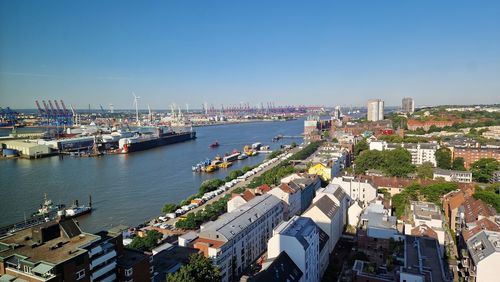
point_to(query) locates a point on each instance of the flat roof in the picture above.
(425, 251)
(425, 210)
(68, 247)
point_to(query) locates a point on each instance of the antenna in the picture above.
(136, 102)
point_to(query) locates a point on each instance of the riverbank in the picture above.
(123, 184)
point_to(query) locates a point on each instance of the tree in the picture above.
(458, 164)
(362, 145)
(425, 171)
(148, 242)
(397, 162)
(368, 160)
(482, 170)
(443, 158)
(168, 208)
(198, 269)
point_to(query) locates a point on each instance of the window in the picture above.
(80, 274)
(129, 272)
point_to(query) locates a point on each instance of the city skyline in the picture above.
(290, 53)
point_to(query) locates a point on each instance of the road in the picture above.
(238, 185)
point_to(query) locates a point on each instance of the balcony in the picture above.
(101, 271)
(102, 259)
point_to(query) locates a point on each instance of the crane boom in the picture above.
(39, 108)
(64, 108)
(58, 109)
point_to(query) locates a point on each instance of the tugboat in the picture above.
(214, 145)
(47, 208)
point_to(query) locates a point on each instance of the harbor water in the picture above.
(129, 189)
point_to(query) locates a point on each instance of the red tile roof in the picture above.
(482, 224)
(424, 231)
(474, 208)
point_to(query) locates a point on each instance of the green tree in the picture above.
(397, 162)
(198, 269)
(368, 160)
(362, 145)
(458, 164)
(148, 242)
(425, 171)
(168, 208)
(482, 170)
(443, 158)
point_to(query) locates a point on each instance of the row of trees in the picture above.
(193, 220)
(395, 162)
(273, 176)
(207, 186)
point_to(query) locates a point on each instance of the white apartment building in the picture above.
(484, 252)
(356, 189)
(420, 152)
(289, 195)
(326, 214)
(427, 221)
(299, 237)
(375, 110)
(238, 238)
(453, 175)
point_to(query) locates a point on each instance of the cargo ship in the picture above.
(145, 141)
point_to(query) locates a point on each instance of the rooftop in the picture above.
(279, 269)
(230, 224)
(450, 172)
(53, 251)
(473, 209)
(131, 257)
(483, 244)
(478, 226)
(326, 206)
(425, 210)
(422, 256)
(298, 227)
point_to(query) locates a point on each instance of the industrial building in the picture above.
(27, 149)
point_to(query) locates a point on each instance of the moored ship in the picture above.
(146, 141)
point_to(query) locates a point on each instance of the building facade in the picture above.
(238, 238)
(299, 238)
(453, 175)
(357, 190)
(408, 105)
(375, 110)
(471, 155)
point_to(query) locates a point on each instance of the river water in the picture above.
(129, 189)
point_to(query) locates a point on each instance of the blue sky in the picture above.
(288, 52)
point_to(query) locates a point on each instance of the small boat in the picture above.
(213, 145)
(225, 164)
(242, 156)
(211, 168)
